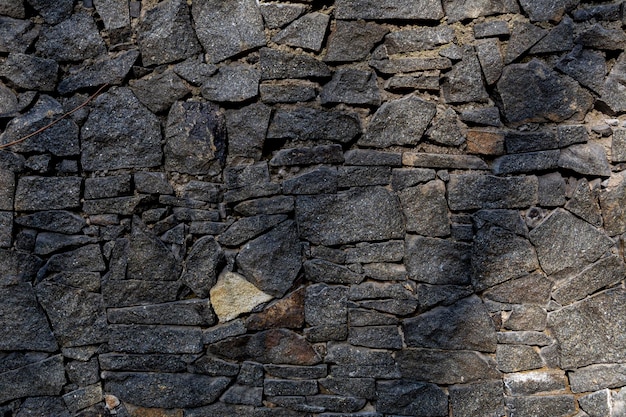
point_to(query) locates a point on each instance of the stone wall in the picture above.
(352, 208)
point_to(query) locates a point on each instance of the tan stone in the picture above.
(485, 142)
(234, 295)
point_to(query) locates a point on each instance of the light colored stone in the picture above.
(233, 295)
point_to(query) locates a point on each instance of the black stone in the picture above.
(30, 72)
(323, 154)
(277, 65)
(74, 39)
(411, 398)
(159, 91)
(246, 129)
(311, 124)
(44, 378)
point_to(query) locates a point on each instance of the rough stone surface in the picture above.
(74, 39)
(351, 87)
(471, 191)
(312, 124)
(353, 40)
(234, 83)
(388, 9)
(233, 295)
(159, 91)
(425, 209)
(42, 193)
(202, 265)
(307, 32)
(411, 398)
(586, 159)
(480, 397)
(437, 261)
(464, 82)
(42, 378)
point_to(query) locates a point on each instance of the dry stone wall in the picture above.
(313, 208)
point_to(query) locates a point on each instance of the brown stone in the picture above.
(485, 142)
(286, 313)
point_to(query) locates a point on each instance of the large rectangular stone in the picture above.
(597, 377)
(155, 339)
(7, 189)
(389, 9)
(40, 378)
(475, 191)
(47, 193)
(526, 162)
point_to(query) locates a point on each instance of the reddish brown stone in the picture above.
(286, 313)
(485, 142)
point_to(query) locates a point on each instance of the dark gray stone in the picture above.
(426, 210)
(446, 366)
(559, 39)
(353, 40)
(297, 372)
(584, 204)
(307, 32)
(392, 251)
(532, 92)
(317, 181)
(46, 377)
(233, 83)
(437, 261)
(42, 407)
(585, 66)
(430, 296)
(556, 406)
(551, 190)
(239, 176)
(378, 337)
(411, 398)
(526, 317)
(248, 192)
(487, 116)
(490, 58)
(277, 15)
(83, 397)
(464, 82)
(6, 229)
(526, 162)
(137, 338)
(187, 312)
(516, 358)
(536, 382)
(159, 91)
(16, 35)
(475, 8)
(399, 122)
(74, 39)
(272, 205)
(427, 80)
(137, 292)
(87, 258)
(242, 394)
(363, 176)
(165, 33)
(282, 387)
(389, 9)
(113, 142)
(53, 12)
(586, 159)
(351, 86)
(596, 377)
(30, 72)
(485, 398)
(48, 243)
(278, 65)
(164, 390)
(312, 124)
(369, 157)
(208, 365)
(518, 142)
(547, 10)
(13, 8)
(60, 139)
(292, 91)
(107, 69)
(356, 387)
(398, 65)
(247, 228)
(465, 325)
(9, 103)
(597, 403)
(103, 187)
(412, 40)
(363, 317)
(603, 12)
(611, 200)
(116, 205)
(612, 95)
(326, 305)
(195, 138)
(366, 214)
(599, 37)
(226, 29)
(7, 192)
(523, 37)
(472, 191)
(202, 265)
(618, 146)
(530, 338)
(272, 261)
(115, 14)
(403, 178)
(597, 340)
(318, 270)
(148, 257)
(41, 193)
(359, 362)
(491, 29)
(446, 129)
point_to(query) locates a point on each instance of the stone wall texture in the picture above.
(325, 208)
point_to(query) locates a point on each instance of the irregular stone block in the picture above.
(234, 83)
(46, 377)
(294, 91)
(559, 39)
(398, 65)
(551, 190)
(137, 338)
(249, 227)
(74, 39)
(464, 82)
(40, 406)
(377, 337)
(431, 160)
(228, 28)
(390, 124)
(530, 338)
(586, 159)
(137, 292)
(544, 98)
(272, 261)
(194, 70)
(115, 14)
(186, 312)
(392, 251)
(103, 187)
(446, 129)
(516, 358)
(599, 37)
(159, 91)
(612, 95)
(148, 257)
(318, 270)
(354, 361)
(533, 288)
(363, 176)
(491, 29)
(240, 176)
(286, 313)
(326, 305)
(426, 210)
(246, 130)
(357, 387)
(367, 214)
(307, 32)
(83, 397)
(233, 295)
(403, 178)
(437, 261)
(478, 398)
(485, 142)
(278, 65)
(369, 157)
(526, 162)
(12, 8)
(282, 387)
(389, 9)
(411, 398)
(597, 403)
(585, 66)
(486, 116)
(276, 16)
(611, 200)
(351, 86)
(202, 265)
(165, 33)
(590, 345)
(596, 377)
(412, 40)
(30, 72)
(465, 325)
(353, 40)
(6, 229)
(107, 69)
(564, 242)
(535, 382)
(271, 205)
(16, 35)
(476, 8)
(526, 317)
(165, 390)
(547, 10)
(42, 193)
(195, 138)
(472, 191)
(557, 405)
(312, 124)
(523, 37)
(427, 80)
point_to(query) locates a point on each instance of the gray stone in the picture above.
(491, 29)
(560, 244)
(165, 33)
(526, 317)
(242, 394)
(487, 116)
(115, 14)
(353, 40)
(165, 390)
(363, 176)
(403, 178)
(46, 377)
(148, 257)
(446, 366)
(357, 387)
(351, 86)
(233, 83)
(195, 138)
(224, 331)
(475, 191)
(318, 270)
(137, 292)
(398, 65)
(41, 193)
(103, 187)
(48, 243)
(159, 91)
(516, 358)
(592, 344)
(293, 91)
(533, 288)
(399, 122)
(586, 159)
(202, 265)
(478, 398)
(83, 397)
(25, 325)
(545, 96)
(476, 8)
(356, 361)
(297, 372)
(282, 387)
(519, 142)
(42, 407)
(87, 258)
(187, 312)
(547, 10)
(465, 325)
(596, 377)
(326, 305)
(248, 192)
(209, 365)
(6, 229)
(604, 12)
(307, 32)
(194, 70)
(526, 162)
(12, 8)
(116, 205)
(389, 9)
(246, 130)
(464, 82)
(426, 210)
(317, 181)
(613, 94)
(611, 200)
(411, 398)
(412, 40)
(618, 145)
(599, 37)
(245, 229)
(523, 37)
(74, 39)
(7, 178)
(506, 219)
(597, 403)
(392, 251)
(427, 80)
(8, 101)
(377, 337)
(551, 190)
(499, 255)
(437, 261)
(559, 39)
(585, 66)
(30, 72)
(370, 157)
(490, 58)
(16, 35)
(367, 214)
(272, 205)
(53, 12)
(226, 29)
(137, 338)
(278, 15)
(536, 382)
(272, 261)
(430, 296)
(113, 142)
(60, 139)
(278, 65)
(82, 373)
(446, 130)
(312, 124)
(554, 406)
(584, 204)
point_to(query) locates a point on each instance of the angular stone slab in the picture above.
(232, 83)
(612, 200)
(148, 257)
(464, 82)
(125, 293)
(389, 9)
(351, 86)
(359, 214)
(485, 397)
(475, 8)
(598, 338)
(565, 242)
(432, 160)
(312, 124)
(278, 65)
(353, 40)
(47, 193)
(473, 191)
(74, 39)
(465, 325)
(246, 129)
(233, 295)
(164, 390)
(308, 32)
(40, 378)
(201, 266)
(411, 40)
(437, 261)
(185, 313)
(136, 338)
(411, 398)
(596, 377)
(547, 10)
(426, 210)
(114, 13)
(276, 16)
(586, 159)
(159, 91)
(30, 72)
(532, 289)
